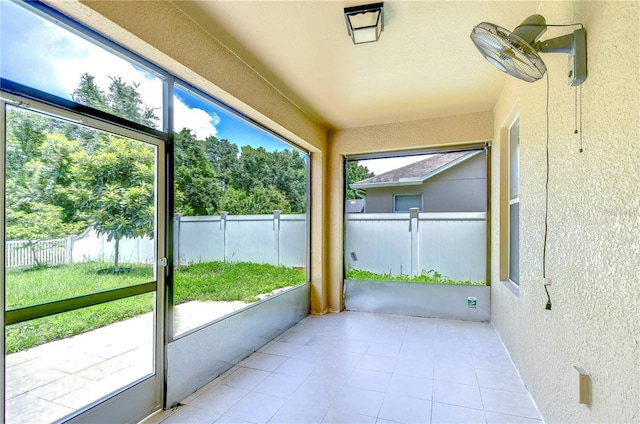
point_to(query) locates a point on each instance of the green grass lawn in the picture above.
(431, 276)
(211, 281)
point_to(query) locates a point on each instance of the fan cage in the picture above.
(508, 52)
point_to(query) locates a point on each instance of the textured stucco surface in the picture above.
(594, 223)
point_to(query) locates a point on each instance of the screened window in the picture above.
(404, 202)
(445, 243)
(58, 60)
(240, 223)
(514, 202)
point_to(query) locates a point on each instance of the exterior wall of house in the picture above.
(160, 32)
(462, 188)
(593, 222)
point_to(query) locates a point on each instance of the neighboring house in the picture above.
(354, 205)
(445, 182)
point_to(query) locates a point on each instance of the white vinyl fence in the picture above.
(452, 244)
(51, 252)
(90, 247)
(274, 239)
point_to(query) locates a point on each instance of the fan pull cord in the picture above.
(581, 144)
(578, 113)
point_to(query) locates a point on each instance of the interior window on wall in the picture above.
(514, 202)
(47, 56)
(240, 211)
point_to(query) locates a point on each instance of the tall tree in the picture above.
(114, 189)
(197, 189)
(223, 156)
(121, 99)
(355, 173)
(283, 171)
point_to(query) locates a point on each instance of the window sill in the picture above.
(512, 287)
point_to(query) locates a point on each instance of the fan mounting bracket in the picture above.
(575, 45)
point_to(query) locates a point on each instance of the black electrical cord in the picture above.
(546, 206)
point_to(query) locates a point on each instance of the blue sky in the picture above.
(39, 54)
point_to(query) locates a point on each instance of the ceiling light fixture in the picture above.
(365, 23)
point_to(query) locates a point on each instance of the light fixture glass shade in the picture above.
(365, 23)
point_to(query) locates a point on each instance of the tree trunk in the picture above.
(116, 267)
(34, 253)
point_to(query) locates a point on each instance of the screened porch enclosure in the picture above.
(430, 260)
(107, 304)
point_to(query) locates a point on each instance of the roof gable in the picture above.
(418, 172)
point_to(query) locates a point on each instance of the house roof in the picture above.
(418, 172)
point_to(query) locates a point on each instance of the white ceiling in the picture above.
(423, 66)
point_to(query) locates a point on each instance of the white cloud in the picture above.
(200, 122)
(56, 60)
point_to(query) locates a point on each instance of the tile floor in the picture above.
(367, 368)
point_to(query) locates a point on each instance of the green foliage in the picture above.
(70, 175)
(25, 132)
(210, 282)
(430, 276)
(122, 100)
(37, 199)
(196, 186)
(31, 286)
(260, 200)
(55, 327)
(220, 281)
(356, 173)
(261, 173)
(223, 156)
(114, 188)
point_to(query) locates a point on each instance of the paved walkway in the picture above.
(48, 382)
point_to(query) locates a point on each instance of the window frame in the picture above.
(513, 197)
(395, 199)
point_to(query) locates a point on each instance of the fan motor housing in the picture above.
(577, 72)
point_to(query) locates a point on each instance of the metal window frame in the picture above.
(513, 200)
(395, 197)
(170, 335)
(76, 112)
(135, 132)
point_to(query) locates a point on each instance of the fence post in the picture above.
(223, 227)
(415, 254)
(70, 240)
(276, 238)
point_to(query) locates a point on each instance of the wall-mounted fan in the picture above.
(516, 53)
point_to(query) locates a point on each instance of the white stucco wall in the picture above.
(594, 223)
